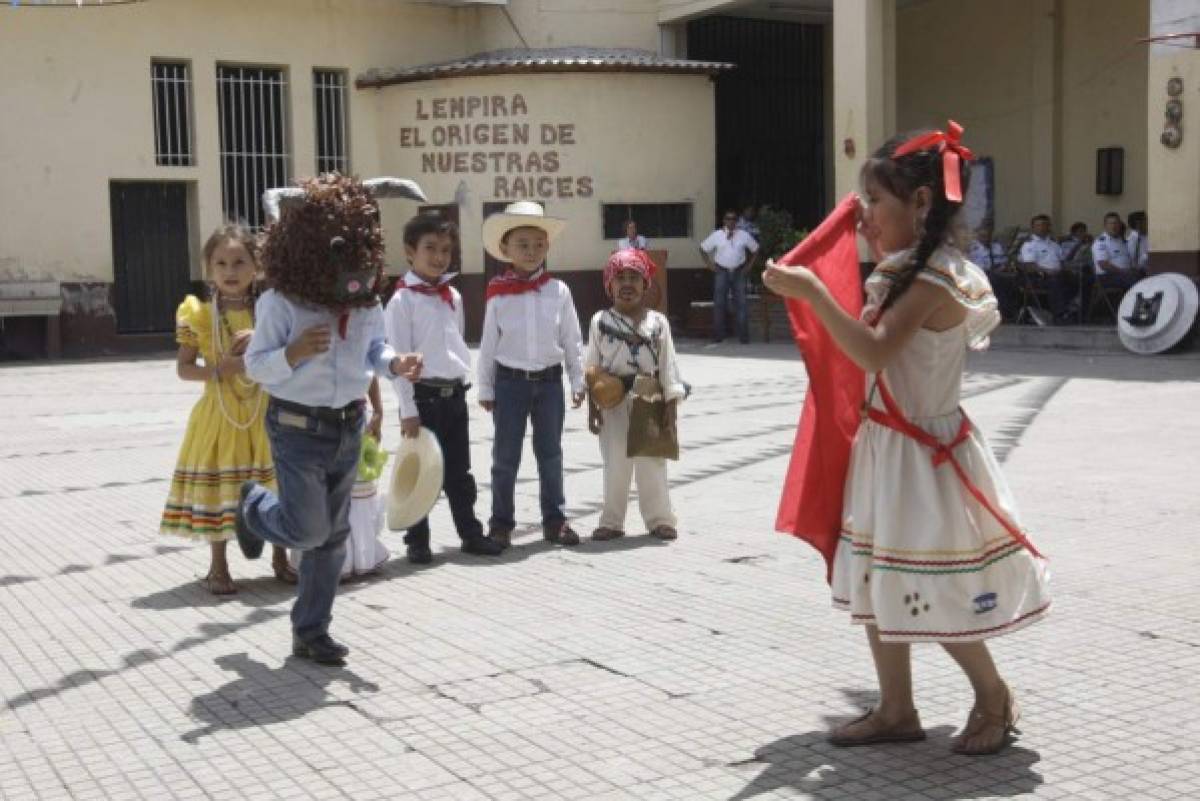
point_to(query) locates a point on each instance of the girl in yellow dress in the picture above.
(225, 443)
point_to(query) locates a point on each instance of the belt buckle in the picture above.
(446, 392)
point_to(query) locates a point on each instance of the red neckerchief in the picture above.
(511, 283)
(441, 289)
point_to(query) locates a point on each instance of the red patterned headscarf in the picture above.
(628, 259)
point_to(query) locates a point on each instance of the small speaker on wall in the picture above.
(1110, 170)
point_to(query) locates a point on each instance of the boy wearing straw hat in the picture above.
(530, 330)
(426, 315)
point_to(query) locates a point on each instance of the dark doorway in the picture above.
(770, 113)
(151, 273)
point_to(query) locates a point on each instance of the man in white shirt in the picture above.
(1113, 266)
(1138, 241)
(1041, 261)
(632, 239)
(728, 252)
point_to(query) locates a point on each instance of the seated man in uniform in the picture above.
(1041, 262)
(1111, 257)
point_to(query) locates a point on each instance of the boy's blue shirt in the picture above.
(335, 378)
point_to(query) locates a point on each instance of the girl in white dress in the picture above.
(931, 548)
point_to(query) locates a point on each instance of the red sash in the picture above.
(441, 290)
(891, 417)
(511, 283)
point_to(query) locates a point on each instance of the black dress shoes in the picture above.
(419, 554)
(323, 650)
(482, 546)
(252, 546)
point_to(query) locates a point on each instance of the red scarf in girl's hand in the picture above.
(811, 506)
(513, 283)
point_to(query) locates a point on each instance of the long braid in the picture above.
(937, 225)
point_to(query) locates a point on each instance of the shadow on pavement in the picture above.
(809, 764)
(262, 695)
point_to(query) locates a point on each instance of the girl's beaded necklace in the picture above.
(221, 330)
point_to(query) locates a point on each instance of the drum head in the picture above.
(1158, 313)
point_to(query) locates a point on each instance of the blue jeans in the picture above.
(724, 283)
(518, 400)
(315, 465)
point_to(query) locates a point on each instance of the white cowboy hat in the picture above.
(522, 214)
(1158, 313)
(416, 480)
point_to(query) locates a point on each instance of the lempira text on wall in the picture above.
(485, 134)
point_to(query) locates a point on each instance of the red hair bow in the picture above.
(952, 150)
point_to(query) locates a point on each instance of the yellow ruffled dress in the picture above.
(225, 443)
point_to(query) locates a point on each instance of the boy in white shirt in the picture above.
(426, 314)
(530, 329)
(626, 341)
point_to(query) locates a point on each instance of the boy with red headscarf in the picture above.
(630, 342)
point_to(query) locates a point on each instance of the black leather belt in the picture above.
(350, 413)
(548, 374)
(434, 388)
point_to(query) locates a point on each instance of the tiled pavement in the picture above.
(704, 669)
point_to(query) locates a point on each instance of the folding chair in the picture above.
(1033, 292)
(1109, 297)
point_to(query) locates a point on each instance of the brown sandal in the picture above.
(980, 721)
(875, 732)
(285, 572)
(219, 585)
(603, 534)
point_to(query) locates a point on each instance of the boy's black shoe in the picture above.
(252, 546)
(482, 546)
(419, 554)
(323, 650)
(500, 536)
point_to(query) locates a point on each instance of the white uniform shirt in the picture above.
(530, 331)
(425, 324)
(987, 258)
(1110, 248)
(1139, 249)
(639, 243)
(614, 355)
(729, 251)
(1042, 251)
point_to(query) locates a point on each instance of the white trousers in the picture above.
(654, 500)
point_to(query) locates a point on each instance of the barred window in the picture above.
(171, 90)
(253, 120)
(654, 220)
(329, 103)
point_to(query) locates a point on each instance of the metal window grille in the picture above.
(252, 110)
(654, 220)
(329, 102)
(171, 89)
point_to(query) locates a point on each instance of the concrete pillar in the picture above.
(1173, 174)
(864, 84)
